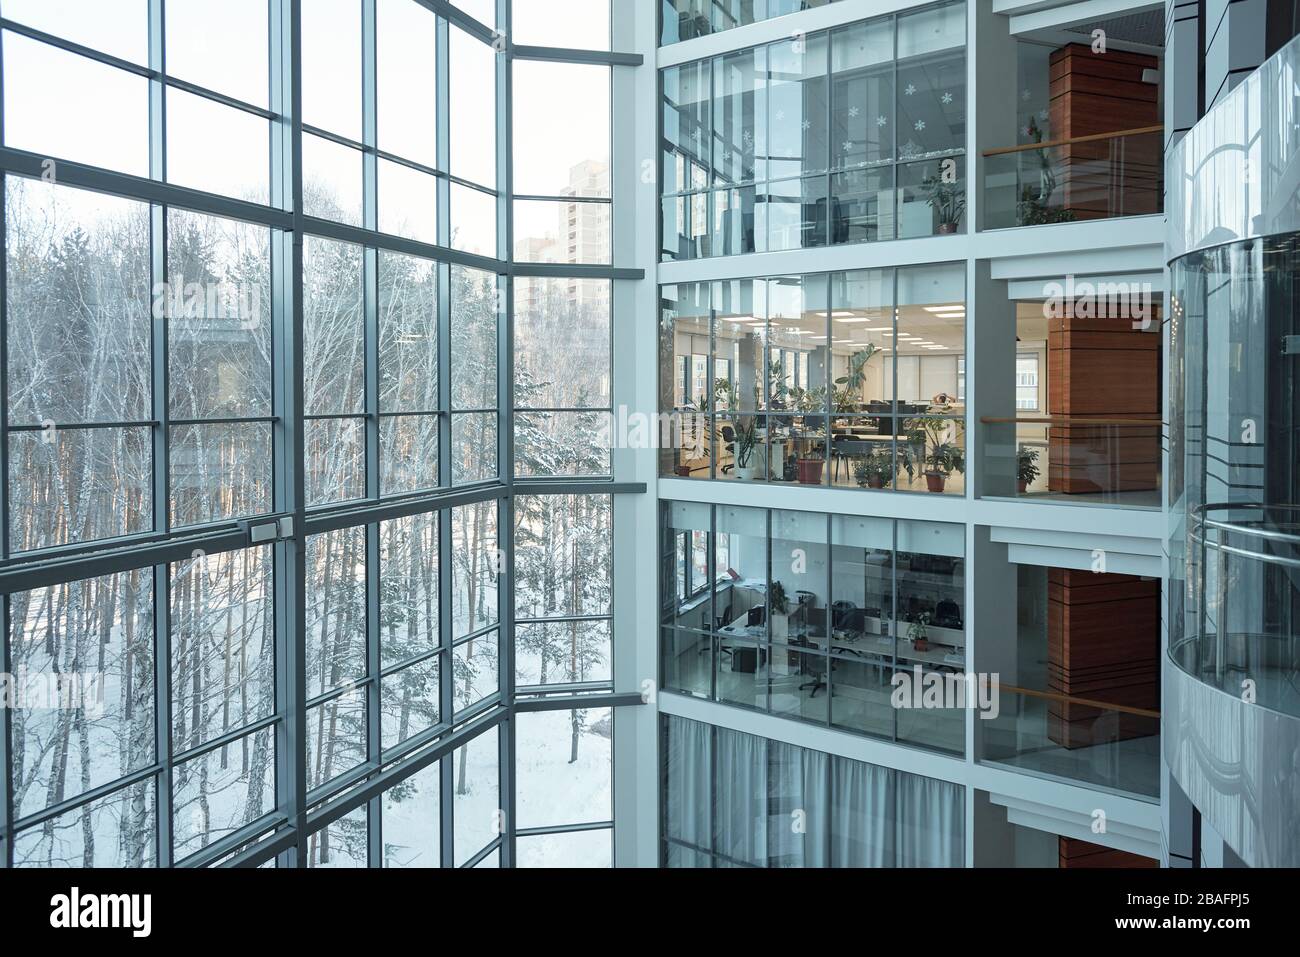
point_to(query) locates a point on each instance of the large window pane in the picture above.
(223, 48)
(333, 322)
(408, 592)
(222, 647)
(593, 848)
(477, 801)
(117, 27)
(75, 355)
(331, 180)
(475, 566)
(331, 66)
(476, 671)
(222, 790)
(406, 73)
(548, 96)
(563, 555)
(411, 826)
(216, 148)
(69, 486)
(218, 302)
(336, 609)
(336, 737)
(118, 830)
(63, 105)
(342, 844)
(563, 231)
(410, 701)
(86, 711)
(574, 24)
(473, 109)
(564, 767)
(473, 339)
(408, 334)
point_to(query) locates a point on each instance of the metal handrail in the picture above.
(1090, 138)
(1199, 522)
(1068, 420)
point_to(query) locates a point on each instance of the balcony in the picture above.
(1099, 176)
(1078, 739)
(1073, 459)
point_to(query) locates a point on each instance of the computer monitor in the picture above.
(757, 615)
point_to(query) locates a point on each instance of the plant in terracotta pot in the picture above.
(1026, 468)
(875, 470)
(948, 200)
(930, 450)
(942, 460)
(917, 634)
(809, 403)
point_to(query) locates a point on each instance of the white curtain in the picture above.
(741, 806)
(931, 822)
(862, 815)
(688, 760)
(797, 806)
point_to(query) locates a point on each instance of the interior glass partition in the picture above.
(853, 134)
(817, 618)
(847, 380)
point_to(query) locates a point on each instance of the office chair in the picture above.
(947, 614)
(818, 674)
(839, 613)
(723, 619)
(729, 446)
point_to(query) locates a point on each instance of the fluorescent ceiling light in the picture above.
(857, 319)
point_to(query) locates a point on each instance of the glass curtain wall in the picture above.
(855, 134)
(821, 618)
(852, 380)
(731, 799)
(687, 19)
(259, 518)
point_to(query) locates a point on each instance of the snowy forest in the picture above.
(82, 316)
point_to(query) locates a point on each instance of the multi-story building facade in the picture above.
(698, 433)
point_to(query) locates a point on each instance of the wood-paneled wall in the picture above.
(1104, 93)
(1076, 853)
(1103, 643)
(1103, 368)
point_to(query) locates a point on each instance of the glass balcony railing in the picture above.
(1242, 625)
(1085, 177)
(1079, 739)
(1073, 459)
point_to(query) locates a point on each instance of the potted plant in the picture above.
(779, 609)
(928, 448)
(917, 634)
(848, 395)
(746, 443)
(948, 200)
(875, 470)
(1026, 468)
(1033, 208)
(809, 402)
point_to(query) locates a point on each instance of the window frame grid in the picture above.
(281, 834)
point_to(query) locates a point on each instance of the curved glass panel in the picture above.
(1234, 469)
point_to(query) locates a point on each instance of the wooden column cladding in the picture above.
(1103, 369)
(1074, 853)
(1103, 644)
(1103, 93)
